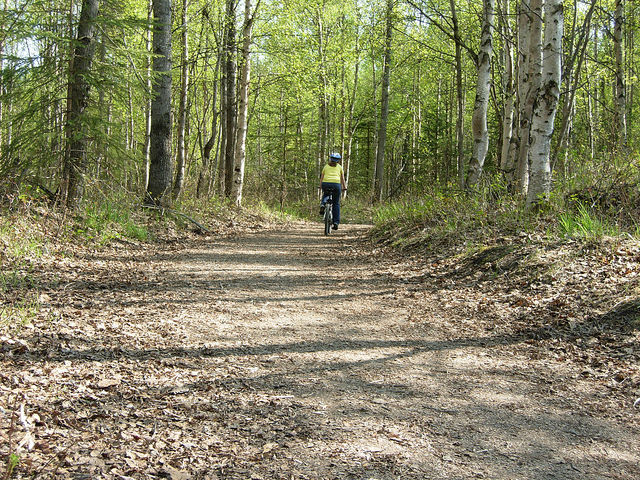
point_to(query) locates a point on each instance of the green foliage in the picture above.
(104, 221)
(584, 224)
(471, 220)
(288, 212)
(304, 98)
(12, 462)
(446, 217)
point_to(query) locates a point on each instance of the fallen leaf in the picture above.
(109, 382)
(269, 447)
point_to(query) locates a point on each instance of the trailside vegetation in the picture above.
(167, 102)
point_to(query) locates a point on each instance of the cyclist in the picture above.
(332, 183)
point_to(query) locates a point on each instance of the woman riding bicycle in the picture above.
(332, 183)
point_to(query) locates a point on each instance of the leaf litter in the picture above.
(249, 357)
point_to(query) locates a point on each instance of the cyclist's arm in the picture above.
(344, 184)
(321, 178)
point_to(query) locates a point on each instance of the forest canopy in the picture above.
(159, 100)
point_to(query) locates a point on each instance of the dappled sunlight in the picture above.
(257, 349)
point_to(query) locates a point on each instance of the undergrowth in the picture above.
(440, 218)
(584, 223)
(446, 218)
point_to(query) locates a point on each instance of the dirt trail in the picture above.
(291, 355)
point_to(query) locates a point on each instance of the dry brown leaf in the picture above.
(108, 383)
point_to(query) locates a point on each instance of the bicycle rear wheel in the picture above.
(328, 218)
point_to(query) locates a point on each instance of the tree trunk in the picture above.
(3, 90)
(479, 118)
(230, 96)
(352, 106)
(506, 160)
(460, 100)
(572, 81)
(323, 107)
(546, 104)
(223, 125)
(531, 72)
(243, 108)
(75, 163)
(621, 91)
(147, 112)
(161, 166)
(384, 113)
(208, 147)
(182, 108)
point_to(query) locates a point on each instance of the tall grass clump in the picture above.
(585, 224)
(466, 219)
(20, 236)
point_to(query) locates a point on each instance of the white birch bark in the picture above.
(508, 85)
(529, 85)
(483, 86)
(230, 102)
(546, 105)
(522, 74)
(460, 97)
(572, 79)
(243, 107)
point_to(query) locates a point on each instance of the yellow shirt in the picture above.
(332, 174)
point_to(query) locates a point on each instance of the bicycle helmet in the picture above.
(334, 157)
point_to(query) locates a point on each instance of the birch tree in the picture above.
(572, 74)
(546, 104)
(460, 99)
(230, 103)
(483, 86)
(182, 107)
(509, 91)
(209, 146)
(530, 25)
(243, 106)
(149, 85)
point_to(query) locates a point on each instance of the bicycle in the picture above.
(328, 215)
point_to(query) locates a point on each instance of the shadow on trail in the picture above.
(272, 406)
(57, 351)
(278, 401)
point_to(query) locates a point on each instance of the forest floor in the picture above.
(290, 355)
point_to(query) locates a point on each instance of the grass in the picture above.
(585, 224)
(439, 218)
(454, 218)
(111, 219)
(20, 238)
(30, 232)
(19, 313)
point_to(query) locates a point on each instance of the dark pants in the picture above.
(334, 189)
